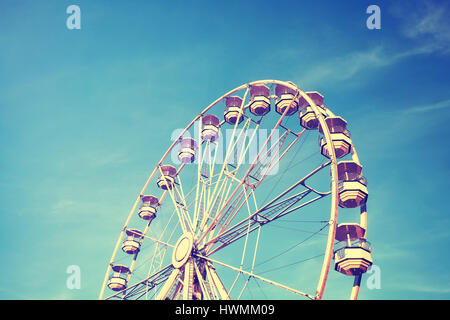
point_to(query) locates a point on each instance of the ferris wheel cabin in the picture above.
(188, 147)
(118, 279)
(285, 99)
(352, 185)
(353, 254)
(148, 208)
(233, 110)
(260, 101)
(132, 242)
(167, 179)
(308, 119)
(210, 129)
(339, 135)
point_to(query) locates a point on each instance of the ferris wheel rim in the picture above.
(334, 191)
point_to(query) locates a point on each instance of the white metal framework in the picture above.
(201, 224)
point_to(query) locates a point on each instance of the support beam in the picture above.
(214, 278)
(188, 281)
(169, 284)
(251, 274)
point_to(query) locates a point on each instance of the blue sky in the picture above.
(86, 114)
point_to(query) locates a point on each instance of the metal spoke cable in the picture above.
(249, 290)
(296, 164)
(295, 229)
(292, 247)
(304, 159)
(303, 221)
(287, 168)
(291, 264)
(147, 259)
(262, 291)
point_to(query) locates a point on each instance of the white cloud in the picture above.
(429, 107)
(349, 66)
(427, 22)
(345, 67)
(62, 205)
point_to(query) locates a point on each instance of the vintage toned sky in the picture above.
(86, 114)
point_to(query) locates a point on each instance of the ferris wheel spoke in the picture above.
(207, 214)
(266, 161)
(255, 221)
(159, 254)
(205, 287)
(182, 201)
(253, 275)
(179, 205)
(261, 167)
(254, 255)
(215, 282)
(244, 251)
(176, 291)
(211, 205)
(227, 178)
(274, 209)
(169, 284)
(232, 142)
(269, 139)
(221, 180)
(158, 241)
(201, 177)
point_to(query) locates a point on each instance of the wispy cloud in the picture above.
(429, 107)
(346, 67)
(62, 205)
(426, 22)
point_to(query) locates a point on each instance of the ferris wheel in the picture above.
(244, 205)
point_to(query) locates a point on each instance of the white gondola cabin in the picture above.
(132, 242)
(352, 185)
(166, 180)
(259, 100)
(353, 252)
(210, 127)
(233, 112)
(148, 208)
(188, 147)
(339, 135)
(285, 99)
(308, 119)
(118, 279)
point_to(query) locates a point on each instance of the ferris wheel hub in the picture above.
(182, 250)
